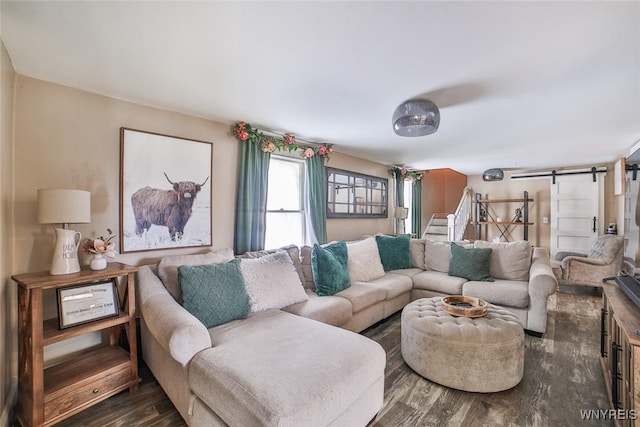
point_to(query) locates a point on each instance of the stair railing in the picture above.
(457, 222)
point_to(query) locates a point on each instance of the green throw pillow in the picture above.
(470, 263)
(214, 293)
(394, 251)
(329, 268)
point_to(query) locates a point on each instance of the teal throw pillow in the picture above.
(394, 252)
(214, 293)
(470, 263)
(329, 268)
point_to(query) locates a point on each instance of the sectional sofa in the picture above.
(293, 355)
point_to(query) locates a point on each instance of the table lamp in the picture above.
(64, 206)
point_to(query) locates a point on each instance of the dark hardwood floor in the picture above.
(562, 377)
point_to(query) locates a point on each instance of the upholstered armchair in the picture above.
(604, 260)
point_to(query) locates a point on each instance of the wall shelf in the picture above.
(502, 226)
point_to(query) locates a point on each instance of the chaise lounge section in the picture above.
(272, 368)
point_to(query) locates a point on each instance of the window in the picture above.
(285, 203)
(408, 203)
(355, 195)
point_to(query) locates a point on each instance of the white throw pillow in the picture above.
(168, 267)
(272, 282)
(292, 250)
(363, 260)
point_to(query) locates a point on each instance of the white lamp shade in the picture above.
(64, 206)
(401, 213)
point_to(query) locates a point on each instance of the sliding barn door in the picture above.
(577, 210)
(632, 218)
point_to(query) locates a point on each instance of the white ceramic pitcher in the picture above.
(65, 252)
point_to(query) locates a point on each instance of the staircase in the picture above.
(437, 230)
(450, 227)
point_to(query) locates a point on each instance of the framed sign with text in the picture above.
(86, 303)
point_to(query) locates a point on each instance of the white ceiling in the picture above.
(520, 85)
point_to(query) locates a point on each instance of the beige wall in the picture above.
(67, 138)
(540, 191)
(8, 303)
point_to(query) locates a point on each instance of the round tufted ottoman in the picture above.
(485, 354)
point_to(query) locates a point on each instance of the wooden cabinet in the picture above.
(47, 396)
(504, 224)
(620, 353)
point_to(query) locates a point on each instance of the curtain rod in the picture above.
(281, 135)
(553, 174)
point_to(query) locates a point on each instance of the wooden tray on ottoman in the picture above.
(460, 305)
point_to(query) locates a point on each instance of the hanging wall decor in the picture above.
(165, 191)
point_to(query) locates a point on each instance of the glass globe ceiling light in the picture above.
(416, 117)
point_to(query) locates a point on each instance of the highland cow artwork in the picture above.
(165, 191)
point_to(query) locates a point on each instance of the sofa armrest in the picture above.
(175, 329)
(586, 269)
(542, 281)
(563, 254)
(542, 284)
(576, 260)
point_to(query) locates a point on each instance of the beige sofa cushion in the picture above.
(329, 309)
(508, 261)
(510, 293)
(251, 376)
(393, 284)
(437, 255)
(361, 295)
(409, 272)
(307, 272)
(437, 281)
(416, 248)
(168, 267)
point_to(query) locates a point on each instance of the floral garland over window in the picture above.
(245, 132)
(404, 173)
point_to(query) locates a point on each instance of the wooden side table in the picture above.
(47, 396)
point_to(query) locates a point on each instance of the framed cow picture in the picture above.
(165, 191)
